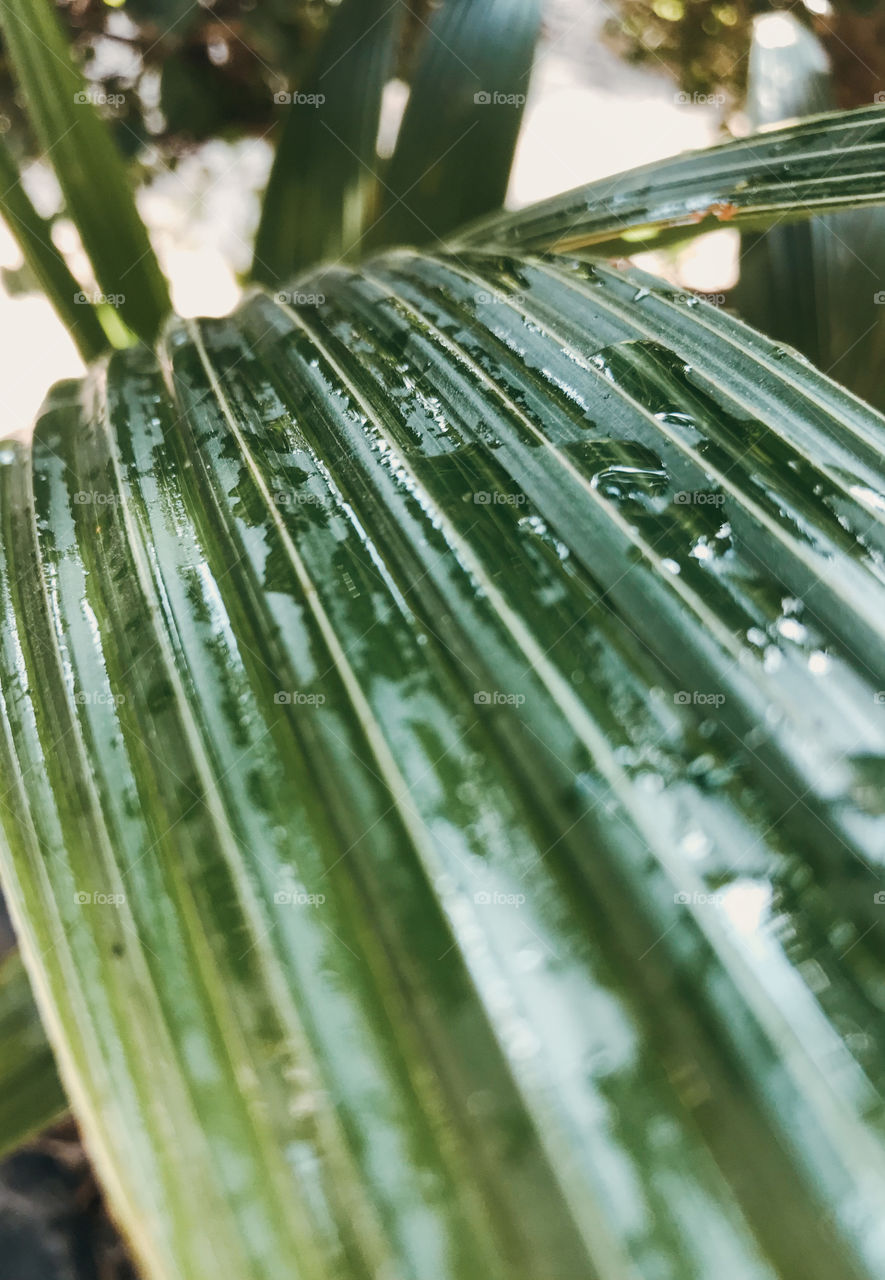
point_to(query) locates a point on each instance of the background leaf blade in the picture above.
(34, 236)
(829, 162)
(455, 146)
(815, 285)
(78, 145)
(323, 184)
(31, 1097)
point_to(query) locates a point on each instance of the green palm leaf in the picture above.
(323, 186)
(817, 284)
(455, 146)
(78, 145)
(443, 746)
(824, 163)
(34, 235)
(30, 1095)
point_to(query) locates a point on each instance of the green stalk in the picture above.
(78, 144)
(31, 1097)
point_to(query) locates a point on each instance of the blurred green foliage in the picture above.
(705, 44)
(702, 42)
(173, 73)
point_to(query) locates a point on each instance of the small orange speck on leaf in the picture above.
(724, 210)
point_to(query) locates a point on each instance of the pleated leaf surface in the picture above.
(443, 738)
